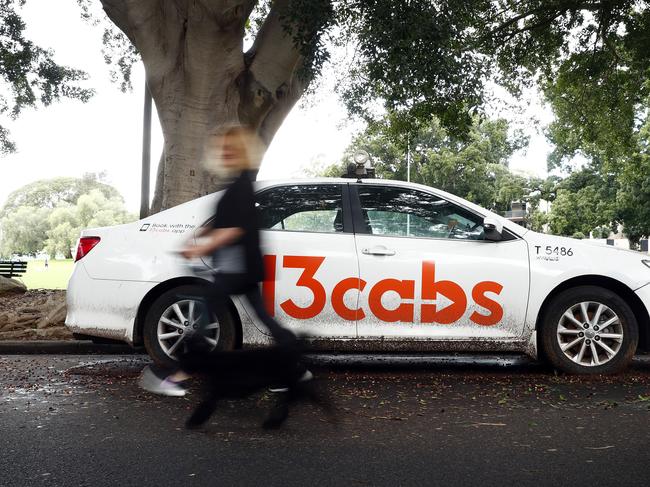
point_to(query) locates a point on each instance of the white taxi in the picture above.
(375, 266)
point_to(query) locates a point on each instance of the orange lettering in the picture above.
(495, 309)
(306, 279)
(337, 298)
(449, 289)
(405, 289)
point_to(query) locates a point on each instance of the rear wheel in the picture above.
(176, 317)
(589, 330)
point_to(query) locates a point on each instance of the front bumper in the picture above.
(644, 332)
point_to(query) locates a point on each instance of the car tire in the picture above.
(163, 306)
(603, 342)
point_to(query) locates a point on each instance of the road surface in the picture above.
(82, 421)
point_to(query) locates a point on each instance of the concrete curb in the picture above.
(82, 347)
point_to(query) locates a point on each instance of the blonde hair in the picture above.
(248, 145)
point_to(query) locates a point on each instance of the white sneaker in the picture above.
(305, 377)
(278, 389)
(149, 381)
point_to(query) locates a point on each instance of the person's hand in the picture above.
(191, 252)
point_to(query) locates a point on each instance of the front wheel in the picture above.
(589, 330)
(177, 317)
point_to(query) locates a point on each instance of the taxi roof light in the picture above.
(361, 167)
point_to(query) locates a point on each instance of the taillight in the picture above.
(85, 245)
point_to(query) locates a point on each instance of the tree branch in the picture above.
(155, 27)
(541, 23)
(517, 18)
(274, 55)
(557, 10)
(127, 14)
(276, 115)
(229, 12)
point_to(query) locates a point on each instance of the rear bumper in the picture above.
(101, 307)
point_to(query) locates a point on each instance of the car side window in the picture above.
(301, 208)
(403, 212)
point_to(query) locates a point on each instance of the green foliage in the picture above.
(307, 21)
(48, 193)
(473, 167)
(428, 58)
(415, 57)
(29, 73)
(591, 60)
(584, 201)
(537, 220)
(65, 222)
(28, 229)
(601, 231)
(23, 231)
(633, 186)
(61, 239)
(607, 192)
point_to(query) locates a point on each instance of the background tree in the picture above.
(214, 62)
(591, 60)
(29, 75)
(203, 75)
(584, 201)
(51, 214)
(602, 231)
(63, 231)
(23, 231)
(633, 191)
(474, 166)
(66, 221)
(48, 193)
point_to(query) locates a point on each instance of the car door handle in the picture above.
(378, 250)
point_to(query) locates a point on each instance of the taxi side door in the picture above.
(312, 273)
(428, 273)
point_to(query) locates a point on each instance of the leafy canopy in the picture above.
(48, 193)
(29, 75)
(50, 214)
(474, 167)
(94, 209)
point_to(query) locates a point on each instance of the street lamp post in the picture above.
(408, 160)
(146, 153)
(408, 180)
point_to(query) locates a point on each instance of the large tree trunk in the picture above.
(201, 79)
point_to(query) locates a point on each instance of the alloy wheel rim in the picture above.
(590, 333)
(183, 320)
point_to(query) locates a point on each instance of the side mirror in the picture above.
(492, 229)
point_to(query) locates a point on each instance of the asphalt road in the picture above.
(81, 420)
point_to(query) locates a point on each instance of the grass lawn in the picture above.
(56, 276)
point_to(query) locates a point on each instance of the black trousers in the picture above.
(226, 285)
(196, 356)
(285, 356)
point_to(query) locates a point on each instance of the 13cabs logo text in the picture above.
(405, 288)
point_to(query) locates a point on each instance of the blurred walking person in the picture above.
(232, 239)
